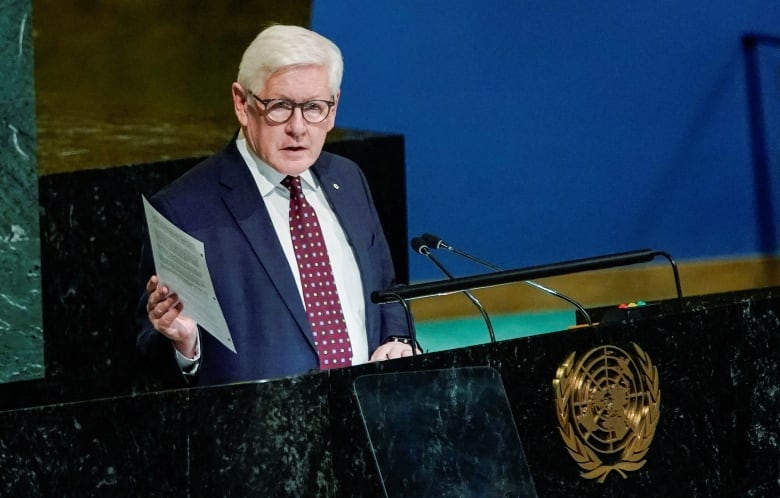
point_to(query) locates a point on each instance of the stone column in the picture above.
(21, 332)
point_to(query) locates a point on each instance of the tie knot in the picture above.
(293, 183)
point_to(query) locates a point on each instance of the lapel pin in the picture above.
(336, 186)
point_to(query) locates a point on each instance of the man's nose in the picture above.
(297, 124)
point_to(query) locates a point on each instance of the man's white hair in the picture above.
(282, 46)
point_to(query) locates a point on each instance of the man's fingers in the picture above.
(164, 313)
(391, 351)
(151, 284)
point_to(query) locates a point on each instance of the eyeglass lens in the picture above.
(279, 111)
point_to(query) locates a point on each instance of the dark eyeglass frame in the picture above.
(292, 106)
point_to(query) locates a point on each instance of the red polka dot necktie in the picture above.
(323, 307)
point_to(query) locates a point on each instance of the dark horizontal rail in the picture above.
(461, 284)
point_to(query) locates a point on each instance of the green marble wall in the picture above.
(21, 331)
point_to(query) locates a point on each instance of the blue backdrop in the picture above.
(543, 131)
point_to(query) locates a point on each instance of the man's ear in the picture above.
(336, 100)
(332, 115)
(240, 103)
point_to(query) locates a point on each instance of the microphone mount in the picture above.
(438, 242)
(419, 245)
(459, 284)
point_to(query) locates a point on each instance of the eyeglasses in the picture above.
(280, 111)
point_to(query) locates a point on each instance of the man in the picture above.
(239, 203)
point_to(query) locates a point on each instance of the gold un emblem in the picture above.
(608, 404)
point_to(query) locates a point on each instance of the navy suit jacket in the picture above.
(218, 203)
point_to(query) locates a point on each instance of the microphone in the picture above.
(437, 243)
(419, 246)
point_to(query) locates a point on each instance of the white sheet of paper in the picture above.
(180, 263)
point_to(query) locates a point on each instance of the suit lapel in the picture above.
(248, 209)
(340, 200)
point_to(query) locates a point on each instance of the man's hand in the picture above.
(164, 310)
(391, 350)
